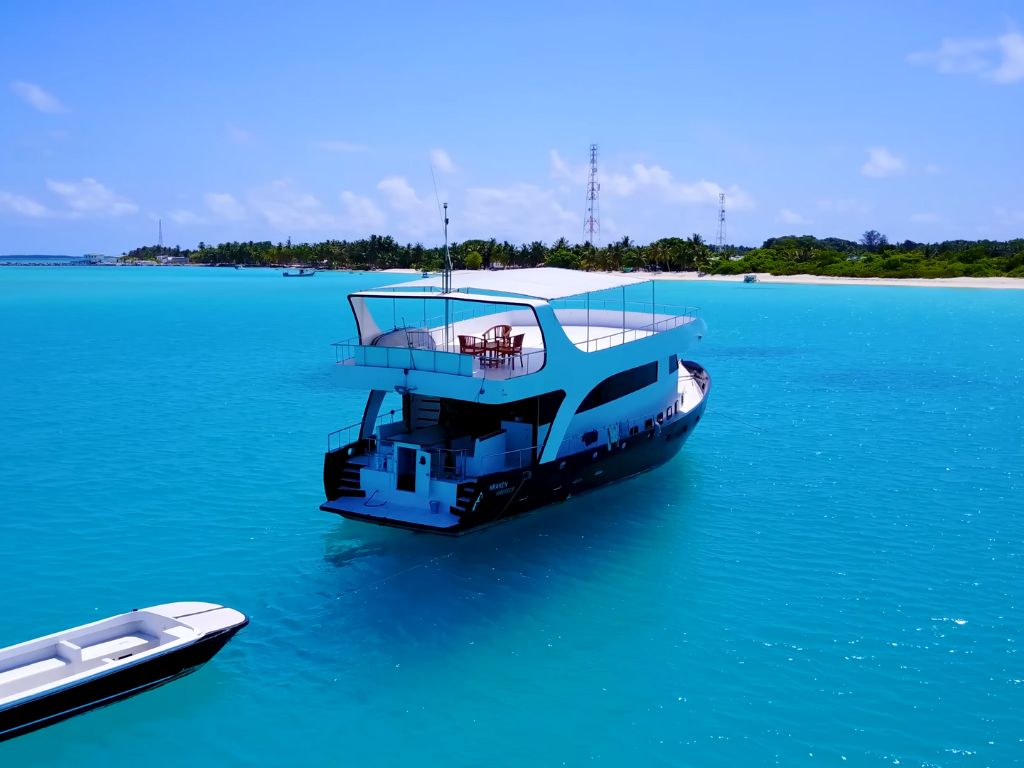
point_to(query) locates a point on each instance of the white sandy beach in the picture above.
(1005, 283)
(915, 282)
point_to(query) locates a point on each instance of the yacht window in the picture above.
(673, 364)
(620, 385)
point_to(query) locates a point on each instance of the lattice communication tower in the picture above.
(721, 222)
(592, 223)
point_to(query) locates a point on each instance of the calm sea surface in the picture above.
(830, 573)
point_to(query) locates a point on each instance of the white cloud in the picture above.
(239, 135)
(36, 97)
(882, 163)
(520, 211)
(656, 179)
(183, 217)
(1000, 59)
(844, 205)
(562, 171)
(224, 205)
(288, 209)
(23, 206)
(346, 147)
(441, 161)
(360, 213)
(1011, 68)
(89, 197)
(932, 169)
(400, 195)
(787, 216)
(419, 216)
(924, 218)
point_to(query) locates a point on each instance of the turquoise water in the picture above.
(830, 573)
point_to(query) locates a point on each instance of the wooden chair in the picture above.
(511, 348)
(497, 333)
(471, 345)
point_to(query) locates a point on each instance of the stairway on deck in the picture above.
(464, 495)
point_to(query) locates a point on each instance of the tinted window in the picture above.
(620, 385)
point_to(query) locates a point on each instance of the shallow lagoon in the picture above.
(832, 568)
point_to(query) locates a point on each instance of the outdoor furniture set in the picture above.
(497, 346)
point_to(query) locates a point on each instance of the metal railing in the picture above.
(491, 365)
(452, 463)
(345, 436)
(632, 334)
(448, 463)
(642, 307)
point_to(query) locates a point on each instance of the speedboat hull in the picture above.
(118, 680)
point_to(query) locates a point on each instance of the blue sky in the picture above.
(315, 120)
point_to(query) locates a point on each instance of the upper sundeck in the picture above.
(504, 324)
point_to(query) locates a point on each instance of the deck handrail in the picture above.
(442, 360)
(632, 334)
(358, 426)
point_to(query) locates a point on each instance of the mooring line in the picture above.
(396, 574)
(739, 421)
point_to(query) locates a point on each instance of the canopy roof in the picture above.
(539, 282)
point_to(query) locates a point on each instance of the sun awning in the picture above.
(540, 283)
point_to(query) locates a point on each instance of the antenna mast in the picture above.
(446, 275)
(721, 222)
(592, 224)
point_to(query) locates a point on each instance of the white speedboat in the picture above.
(506, 391)
(49, 679)
(300, 272)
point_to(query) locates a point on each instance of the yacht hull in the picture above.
(500, 496)
(120, 683)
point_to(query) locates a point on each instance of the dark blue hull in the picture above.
(503, 495)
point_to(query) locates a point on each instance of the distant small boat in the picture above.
(425, 274)
(239, 266)
(52, 678)
(750, 278)
(301, 272)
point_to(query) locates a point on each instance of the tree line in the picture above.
(872, 256)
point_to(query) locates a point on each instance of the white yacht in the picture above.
(493, 393)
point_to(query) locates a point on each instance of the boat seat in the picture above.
(119, 646)
(29, 670)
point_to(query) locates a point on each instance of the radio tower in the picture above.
(592, 224)
(721, 222)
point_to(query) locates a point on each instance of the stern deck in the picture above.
(391, 512)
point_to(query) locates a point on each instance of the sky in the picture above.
(324, 119)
